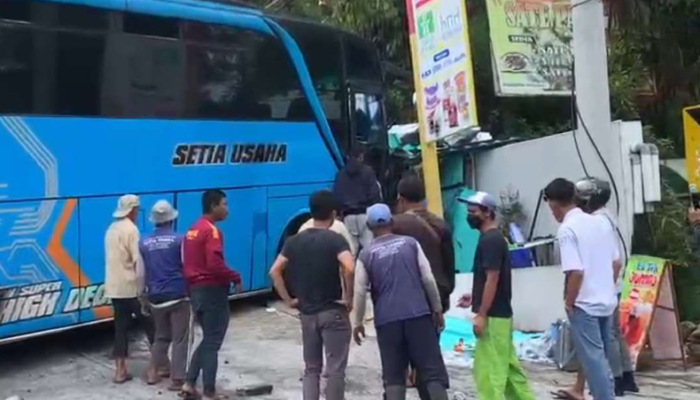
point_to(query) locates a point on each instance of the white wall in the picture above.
(538, 297)
(529, 166)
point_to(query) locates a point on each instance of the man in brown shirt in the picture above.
(431, 232)
(434, 237)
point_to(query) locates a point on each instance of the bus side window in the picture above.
(54, 15)
(51, 71)
(148, 25)
(322, 51)
(241, 75)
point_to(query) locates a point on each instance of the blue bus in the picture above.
(163, 99)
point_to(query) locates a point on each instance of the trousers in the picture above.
(210, 307)
(126, 313)
(330, 332)
(172, 329)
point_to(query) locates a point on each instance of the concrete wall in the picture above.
(527, 167)
(537, 297)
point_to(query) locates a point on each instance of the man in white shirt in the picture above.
(592, 196)
(587, 258)
(124, 280)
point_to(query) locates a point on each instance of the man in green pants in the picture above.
(497, 371)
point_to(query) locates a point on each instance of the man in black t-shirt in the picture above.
(311, 261)
(497, 371)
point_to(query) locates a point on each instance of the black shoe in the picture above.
(619, 388)
(628, 382)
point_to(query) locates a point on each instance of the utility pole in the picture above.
(592, 89)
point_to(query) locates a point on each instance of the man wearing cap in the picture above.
(407, 308)
(588, 256)
(124, 280)
(209, 279)
(497, 371)
(167, 293)
(313, 261)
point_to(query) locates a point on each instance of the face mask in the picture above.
(474, 221)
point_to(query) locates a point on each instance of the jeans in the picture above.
(172, 328)
(126, 311)
(331, 331)
(357, 226)
(591, 337)
(210, 307)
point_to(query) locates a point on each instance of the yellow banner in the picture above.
(442, 63)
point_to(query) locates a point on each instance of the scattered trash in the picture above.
(538, 348)
(459, 396)
(271, 310)
(254, 390)
(14, 398)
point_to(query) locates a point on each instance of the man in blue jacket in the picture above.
(167, 293)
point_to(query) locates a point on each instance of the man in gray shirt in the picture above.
(407, 308)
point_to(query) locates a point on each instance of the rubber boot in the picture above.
(619, 387)
(395, 393)
(436, 390)
(628, 382)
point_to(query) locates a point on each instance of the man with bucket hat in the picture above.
(124, 280)
(167, 293)
(497, 371)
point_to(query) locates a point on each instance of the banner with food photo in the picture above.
(443, 66)
(532, 47)
(640, 292)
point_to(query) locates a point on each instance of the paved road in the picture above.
(262, 347)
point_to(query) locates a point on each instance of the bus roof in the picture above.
(317, 24)
(236, 3)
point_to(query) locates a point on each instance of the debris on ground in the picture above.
(254, 390)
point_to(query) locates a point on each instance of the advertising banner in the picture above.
(442, 66)
(640, 292)
(532, 47)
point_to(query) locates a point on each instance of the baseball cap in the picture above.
(378, 215)
(481, 199)
(126, 203)
(163, 212)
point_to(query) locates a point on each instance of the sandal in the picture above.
(185, 395)
(564, 395)
(124, 379)
(217, 396)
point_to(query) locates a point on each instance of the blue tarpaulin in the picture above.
(458, 328)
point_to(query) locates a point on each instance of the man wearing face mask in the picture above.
(497, 371)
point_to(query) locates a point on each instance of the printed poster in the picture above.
(640, 291)
(532, 47)
(443, 66)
